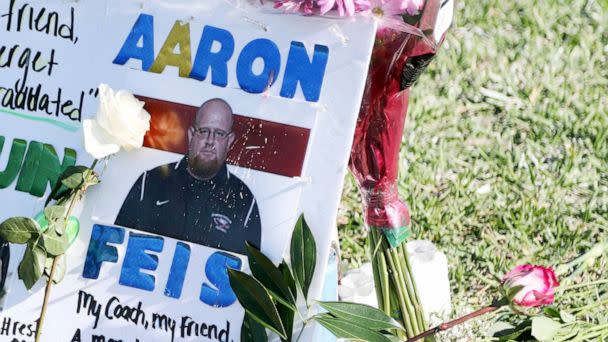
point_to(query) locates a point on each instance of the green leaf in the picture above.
(91, 178)
(287, 315)
(513, 291)
(54, 243)
(42, 222)
(500, 328)
(54, 212)
(59, 192)
(18, 229)
(55, 192)
(60, 268)
(58, 226)
(394, 338)
(345, 329)
(567, 317)
(54, 216)
(303, 255)
(513, 335)
(270, 276)
(361, 314)
(73, 177)
(252, 331)
(521, 331)
(32, 265)
(551, 311)
(256, 301)
(72, 228)
(544, 328)
(288, 277)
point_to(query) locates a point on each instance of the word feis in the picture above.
(216, 293)
(299, 69)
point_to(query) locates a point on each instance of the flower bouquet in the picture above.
(408, 36)
(406, 41)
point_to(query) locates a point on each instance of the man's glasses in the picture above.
(205, 133)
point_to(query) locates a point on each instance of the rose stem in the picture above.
(412, 291)
(49, 282)
(402, 292)
(448, 325)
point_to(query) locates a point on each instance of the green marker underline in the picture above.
(67, 126)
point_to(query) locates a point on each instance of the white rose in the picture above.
(120, 122)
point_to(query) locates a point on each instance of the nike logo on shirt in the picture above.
(159, 203)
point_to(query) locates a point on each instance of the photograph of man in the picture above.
(197, 199)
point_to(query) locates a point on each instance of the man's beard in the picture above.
(204, 169)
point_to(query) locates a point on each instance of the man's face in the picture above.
(210, 139)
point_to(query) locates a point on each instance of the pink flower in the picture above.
(388, 13)
(413, 7)
(343, 6)
(301, 6)
(538, 285)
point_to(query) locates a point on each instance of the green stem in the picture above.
(590, 337)
(47, 292)
(415, 294)
(590, 306)
(450, 324)
(304, 321)
(567, 337)
(301, 330)
(396, 309)
(49, 283)
(398, 287)
(385, 283)
(395, 286)
(585, 336)
(576, 286)
(377, 274)
(409, 291)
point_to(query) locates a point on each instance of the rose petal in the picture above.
(537, 283)
(349, 7)
(122, 115)
(97, 142)
(325, 5)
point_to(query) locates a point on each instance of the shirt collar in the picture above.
(220, 178)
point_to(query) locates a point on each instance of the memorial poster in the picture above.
(252, 119)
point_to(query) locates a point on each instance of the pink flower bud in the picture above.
(538, 285)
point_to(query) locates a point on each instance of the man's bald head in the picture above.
(210, 138)
(215, 107)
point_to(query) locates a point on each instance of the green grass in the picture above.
(505, 152)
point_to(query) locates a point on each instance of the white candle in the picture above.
(430, 271)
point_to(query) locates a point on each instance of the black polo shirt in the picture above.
(220, 212)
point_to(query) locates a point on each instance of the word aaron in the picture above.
(299, 69)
